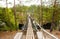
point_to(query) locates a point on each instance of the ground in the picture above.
(7, 35)
(10, 35)
(56, 33)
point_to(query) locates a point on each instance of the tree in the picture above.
(15, 15)
(53, 16)
(41, 15)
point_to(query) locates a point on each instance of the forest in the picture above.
(11, 17)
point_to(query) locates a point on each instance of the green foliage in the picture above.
(47, 14)
(7, 17)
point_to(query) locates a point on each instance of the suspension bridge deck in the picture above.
(30, 34)
(43, 34)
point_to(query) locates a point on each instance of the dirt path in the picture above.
(7, 35)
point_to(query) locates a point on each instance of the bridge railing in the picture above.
(47, 35)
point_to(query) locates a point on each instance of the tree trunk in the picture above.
(41, 15)
(53, 17)
(15, 15)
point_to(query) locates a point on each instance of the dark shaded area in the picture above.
(20, 26)
(1, 26)
(38, 27)
(47, 26)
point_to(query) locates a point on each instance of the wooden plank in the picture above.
(30, 34)
(18, 35)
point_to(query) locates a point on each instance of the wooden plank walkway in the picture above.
(30, 34)
(40, 35)
(18, 35)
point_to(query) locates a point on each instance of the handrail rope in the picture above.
(47, 32)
